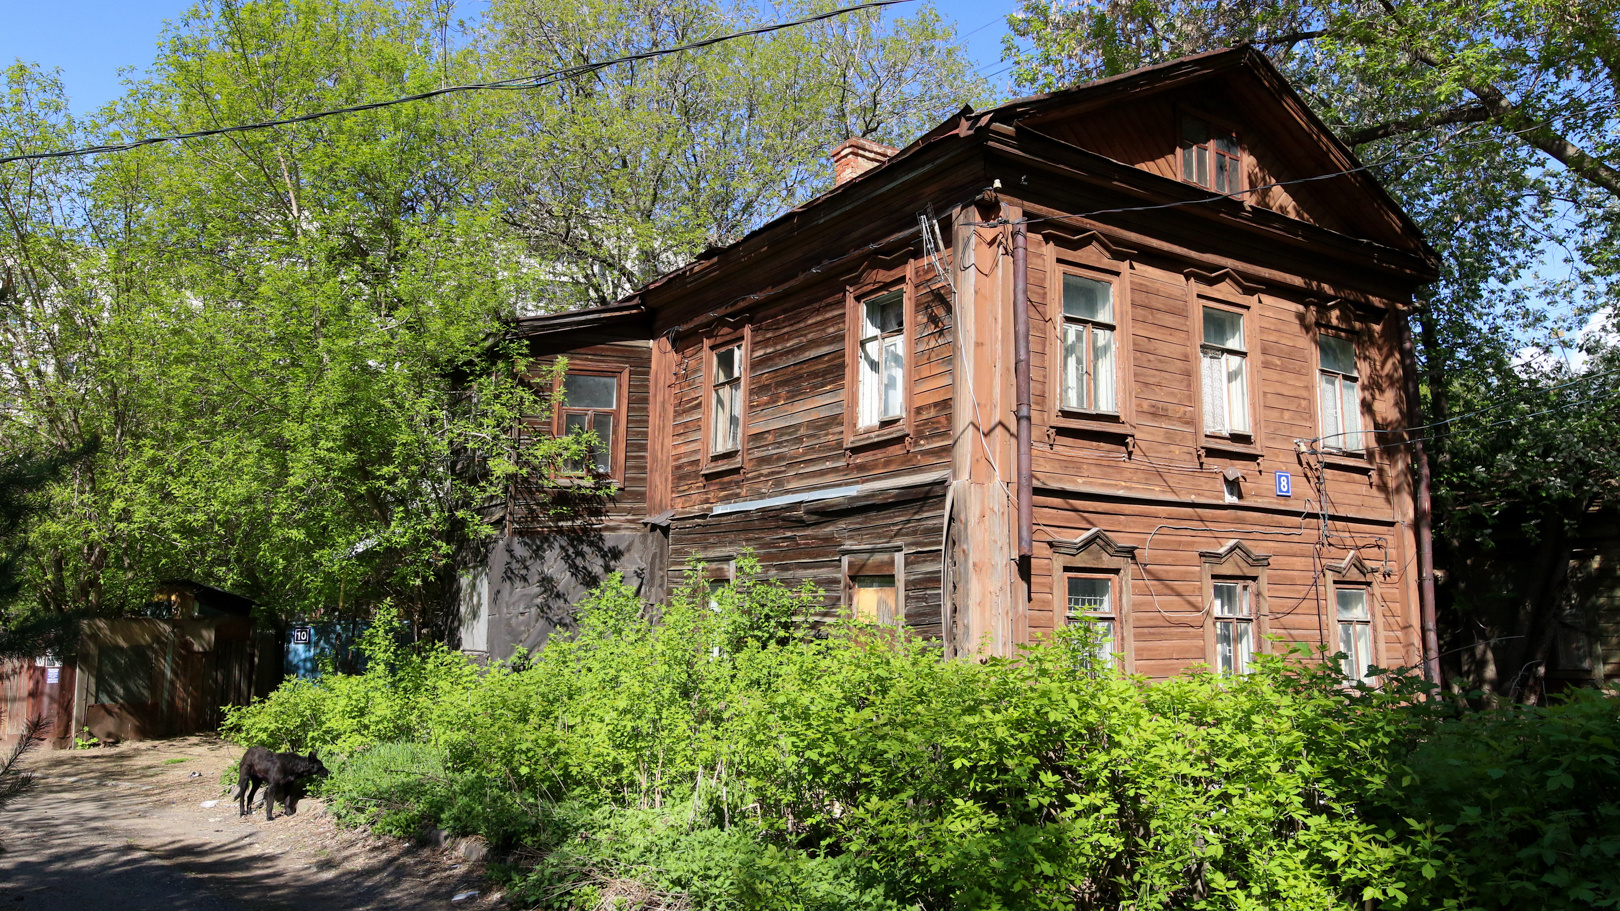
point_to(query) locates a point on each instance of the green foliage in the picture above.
(727, 757)
(1522, 805)
(346, 713)
(291, 339)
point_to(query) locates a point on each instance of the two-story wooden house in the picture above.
(1120, 354)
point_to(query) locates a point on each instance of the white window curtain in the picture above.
(1224, 364)
(881, 396)
(1088, 371)
(1339, 394)
(1234, 627)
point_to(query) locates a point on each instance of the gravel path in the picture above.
(125, 829)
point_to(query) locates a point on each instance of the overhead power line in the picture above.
(1584, 378)
(534, 81)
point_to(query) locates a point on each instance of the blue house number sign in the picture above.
(1285, 484)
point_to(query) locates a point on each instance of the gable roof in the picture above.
(1314, 151)
(1290, 126)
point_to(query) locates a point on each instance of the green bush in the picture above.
(733, 758)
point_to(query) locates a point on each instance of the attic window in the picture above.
(1210, 155)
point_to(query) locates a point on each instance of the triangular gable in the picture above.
(1235, 553)
(1134, 119)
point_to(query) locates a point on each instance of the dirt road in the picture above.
(127, 829)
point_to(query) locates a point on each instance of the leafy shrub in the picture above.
(730, 759)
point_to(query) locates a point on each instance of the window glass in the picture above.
(1088, 299)
(1234, 626)
(1087, 374)
(1224, 370)
(1339, 394)
(725, 365)
(725, 415)
(1091, 601)
(590, 404)
(583, 390)
(1338, 354)
(1223, 328)
(1355, 632)
(1352, 603)
(882, 359)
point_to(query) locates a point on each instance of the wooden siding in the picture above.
(1156, 475)
(798, 372)
(795, 545)
(1149, 477)
(1146, 135)
(532, 508)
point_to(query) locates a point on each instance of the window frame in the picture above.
(1095, 261)
(621, 411)
(1353, 574)
(877, 284)
(1225, 291)
(1096, 555)
(1205, 348)
(1213, 125)
(1351, 337)
(879, 560)
(1236, 562)
(729, 460)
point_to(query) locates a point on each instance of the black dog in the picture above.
(280, 773)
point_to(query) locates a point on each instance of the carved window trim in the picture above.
(1225, 290)
(1235, 562)
(1097, 261)
(1353, 574)
(1095, 554)
(872, 284)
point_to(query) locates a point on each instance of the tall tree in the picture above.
(1496, 124)
(288, 340)
(629, 172)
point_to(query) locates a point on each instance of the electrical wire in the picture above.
(1488, 408)
(1613, 393)
(534, 81)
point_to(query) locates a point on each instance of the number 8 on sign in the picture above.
(1285, 484)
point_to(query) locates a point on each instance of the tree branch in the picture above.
(1540, 135)
(1472, 113)
(1291, 38)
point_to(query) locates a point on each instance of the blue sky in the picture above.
(91, 40)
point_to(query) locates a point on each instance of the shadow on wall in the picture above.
(529, 583)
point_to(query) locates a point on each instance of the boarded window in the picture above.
(1088, 377)
(873, 587)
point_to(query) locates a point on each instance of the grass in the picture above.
(173, 761)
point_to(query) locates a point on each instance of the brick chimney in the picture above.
(855, 156)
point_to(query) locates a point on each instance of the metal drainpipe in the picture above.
(1421, 521)
(1026, 505)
